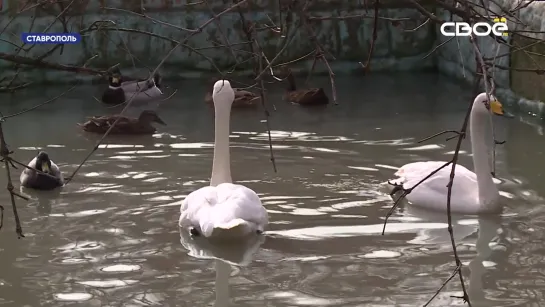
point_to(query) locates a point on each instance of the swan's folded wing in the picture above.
(412, 173)
(416, 168)
(211, 207)
(197, 200)
(237, 201)
(464, 180)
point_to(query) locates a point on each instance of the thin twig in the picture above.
(319, 53)
(255, 48)
(458, 269)
(367, 66)
(41, 104)
(5, 154)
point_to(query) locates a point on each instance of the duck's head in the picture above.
(115, 80)
(487, 103)
(223, 94)
(43, 163)
(150, 116)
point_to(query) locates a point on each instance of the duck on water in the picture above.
(125, 125)
(120, 91)
(49, 178)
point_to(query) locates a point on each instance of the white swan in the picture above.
(223, 209)
(472, 193)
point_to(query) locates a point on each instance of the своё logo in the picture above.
(498, 28)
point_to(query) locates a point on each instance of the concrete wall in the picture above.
(348, 40)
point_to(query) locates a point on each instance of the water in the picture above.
(111, 237)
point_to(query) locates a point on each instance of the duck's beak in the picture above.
(45, 167)
(160, 121)
(115, 80)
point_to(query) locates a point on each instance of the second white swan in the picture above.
(472, 192)
(223, 209)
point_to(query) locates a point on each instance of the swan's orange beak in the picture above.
(496, 108)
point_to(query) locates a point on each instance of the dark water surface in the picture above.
(111, 237)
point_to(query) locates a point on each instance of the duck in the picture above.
(136, 84)
(120, 91)
(223, 211)
(243, 99)
(125, 125)
(50, 178)
(303, 97)
(472, 192)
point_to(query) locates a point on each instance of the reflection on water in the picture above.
(225, 255)
(110, 237)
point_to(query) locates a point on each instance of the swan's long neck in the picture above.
(221, 166)
(223, 271)
(488, 192)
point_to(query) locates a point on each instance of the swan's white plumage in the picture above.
(471, 194)
(223, 210)
(226, 210)
(432, 193)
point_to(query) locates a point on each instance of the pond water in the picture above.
(110, 238)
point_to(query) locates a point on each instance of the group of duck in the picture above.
(224, 210)
(141, 92)
(43, 174)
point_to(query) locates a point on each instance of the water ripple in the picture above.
(121, 268)
(73, 297)
(110, 237)
(111, 283)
